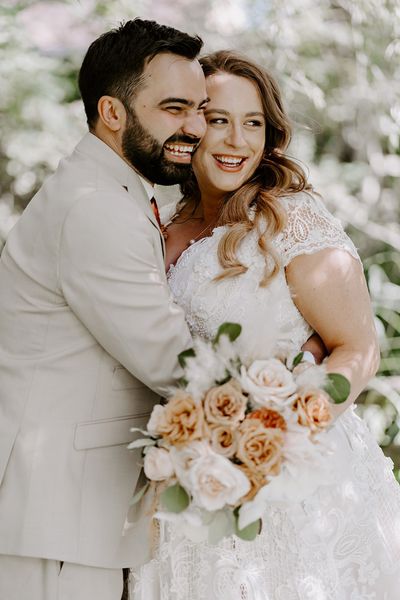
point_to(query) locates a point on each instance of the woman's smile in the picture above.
(229, 163)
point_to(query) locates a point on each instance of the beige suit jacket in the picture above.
(89, 338)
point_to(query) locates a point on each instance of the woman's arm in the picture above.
(316, 346)
(329, 289)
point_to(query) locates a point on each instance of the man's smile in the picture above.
(182, 152)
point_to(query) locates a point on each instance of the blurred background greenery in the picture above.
(338, 62)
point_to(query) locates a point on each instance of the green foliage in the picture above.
(250, 532)
(139, 495)
(175, 498)
(221, 525)
(338, 387)
(232, 330)
(297, 359)
(184, 355)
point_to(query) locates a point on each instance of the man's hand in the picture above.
(316, 346)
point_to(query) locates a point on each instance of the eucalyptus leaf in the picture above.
(232, 330)
(250, 532)
(141, 443)
(139, 495)
(222, 525)
(189, 353)
(297, 359)
(338, 387)
(142, 431)
(175, 498)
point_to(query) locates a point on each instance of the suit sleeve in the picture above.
(109, 275)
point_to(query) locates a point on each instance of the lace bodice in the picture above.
(208, 303)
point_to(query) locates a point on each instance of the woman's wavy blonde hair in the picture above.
(276, 175)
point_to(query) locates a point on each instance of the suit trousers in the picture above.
(24, 578)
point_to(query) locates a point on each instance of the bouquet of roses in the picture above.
(235, 437)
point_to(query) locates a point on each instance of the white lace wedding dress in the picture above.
(343, 542)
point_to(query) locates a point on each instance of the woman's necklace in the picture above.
(194, 239)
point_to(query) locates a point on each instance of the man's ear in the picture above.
(112, 113)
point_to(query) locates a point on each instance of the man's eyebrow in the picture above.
(173, 100)
(183, 101)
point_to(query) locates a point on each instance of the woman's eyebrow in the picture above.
(254, 114)
(216, 110)
(221, 111)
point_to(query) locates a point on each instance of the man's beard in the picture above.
(146, 154)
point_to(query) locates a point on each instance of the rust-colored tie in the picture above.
(156, 212)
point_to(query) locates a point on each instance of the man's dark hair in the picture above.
(114, 63)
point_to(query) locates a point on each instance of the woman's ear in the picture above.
(112, 113)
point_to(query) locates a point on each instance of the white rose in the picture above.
(157, 464)
(269, 382)
(183, 458)
(214, 482)
(157, 418)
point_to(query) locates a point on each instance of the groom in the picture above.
(88, 333)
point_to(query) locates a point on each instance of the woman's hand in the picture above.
(329, 289)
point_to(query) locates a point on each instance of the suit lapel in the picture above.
(136, 189)
(102, 154)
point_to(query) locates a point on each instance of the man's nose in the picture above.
(195, 125)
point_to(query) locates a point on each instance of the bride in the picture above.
(250, 229)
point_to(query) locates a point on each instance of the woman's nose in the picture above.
(236, 137)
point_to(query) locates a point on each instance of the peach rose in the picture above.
(257, 481)
(269, 418)
(313, 409)
(260, 448)
(225, 404)
(223, 440)
(180, 421)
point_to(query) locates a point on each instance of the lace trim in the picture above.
(310, 228)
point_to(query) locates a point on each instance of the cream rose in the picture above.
(180, 421)
(313, 409)
(260, 448)
(156, 420)
(157, 464)
(269, 382)
(225, 404)
(214, 482)
(183, 458)
(223, 440)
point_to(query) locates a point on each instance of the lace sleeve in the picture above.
(310, 228)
